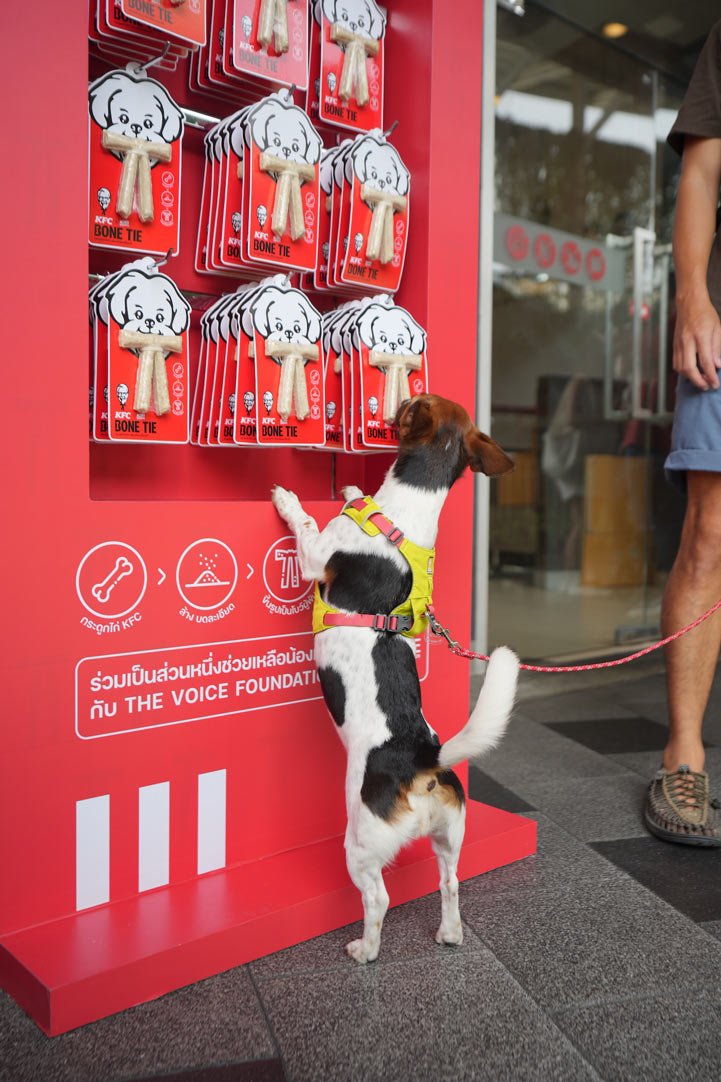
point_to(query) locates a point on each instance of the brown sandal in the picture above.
(679, 809)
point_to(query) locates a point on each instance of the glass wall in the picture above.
(583, 533)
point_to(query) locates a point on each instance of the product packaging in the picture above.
(350, 68)
(135, 134)
(140, 326)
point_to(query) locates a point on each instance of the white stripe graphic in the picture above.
(92, 851)
(211, 821)
(153, 835)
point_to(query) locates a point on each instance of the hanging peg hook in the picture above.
(387, 134)
(170, 254)
(155, 60)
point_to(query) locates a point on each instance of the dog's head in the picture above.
(380, 165)
(286, 131)
(391, 330)
(137, 107)
(286, 316)
(149, 303)
(362, 17)
(438, 441)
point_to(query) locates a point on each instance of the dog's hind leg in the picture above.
(366, 871)
(446, 840)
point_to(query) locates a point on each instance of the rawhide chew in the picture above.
(354, 77)
(288, 176)
(292, 389)
(273, 25)
(152, 349)
(136, 172)
(380, 234)
(395, 367)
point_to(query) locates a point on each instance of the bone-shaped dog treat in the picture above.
(136, 172)
(101, 591)
(273, 24)
(380, 234)
(287, 193)
(292, 389)
(353, 75)
(151, 367)
(396, 367)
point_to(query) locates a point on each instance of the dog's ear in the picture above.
(414, 420)
(484, 455)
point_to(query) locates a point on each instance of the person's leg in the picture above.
(693, 586)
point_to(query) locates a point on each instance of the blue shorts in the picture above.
(696, 436)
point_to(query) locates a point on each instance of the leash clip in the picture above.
(441, 631)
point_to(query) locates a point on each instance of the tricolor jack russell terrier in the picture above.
(374, 564)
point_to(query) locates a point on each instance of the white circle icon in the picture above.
(111, 579)
(206, 574)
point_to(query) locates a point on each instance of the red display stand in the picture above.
(159, 828)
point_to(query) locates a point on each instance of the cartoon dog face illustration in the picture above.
(135, 106)
(150, 303)
(286, 316)
(380, 166)
(391, 330)
(285, 131)
(361, 17)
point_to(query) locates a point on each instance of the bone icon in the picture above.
(101, 591)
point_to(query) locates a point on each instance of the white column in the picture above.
(211, 821)
(92, 851)
(153, 835)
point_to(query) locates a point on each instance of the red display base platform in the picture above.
(73, 971)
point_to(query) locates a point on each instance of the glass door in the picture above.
(583, 533)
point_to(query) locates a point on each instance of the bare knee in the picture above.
(700, 551)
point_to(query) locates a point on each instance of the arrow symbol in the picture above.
(161, 580)
(251, 571)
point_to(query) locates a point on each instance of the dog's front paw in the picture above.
(450, 935)
(351, 492)
(361, 951)
(286, 503)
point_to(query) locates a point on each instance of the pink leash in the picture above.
(458, 650)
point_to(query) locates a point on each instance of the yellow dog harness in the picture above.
(409, 618)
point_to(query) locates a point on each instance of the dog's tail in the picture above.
(491, 714)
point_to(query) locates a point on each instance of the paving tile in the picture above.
(596, 808)
(573, 706)
(261, 1070)
(614, 736)
(461, 1019)
(531, 754)
(660, 1039)
(568, 946)
(560, 859)
(484, 788)
(408, 933)
(687, 878)
(214, 1022)
(646, 763)
(713, 927)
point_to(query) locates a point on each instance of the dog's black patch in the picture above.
(333, 689)
(435, 465)
(360, 582)
(412, 747)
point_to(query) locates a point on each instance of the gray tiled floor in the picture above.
(571, 968)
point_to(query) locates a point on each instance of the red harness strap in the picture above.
(386, 527)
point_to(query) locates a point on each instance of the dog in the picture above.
(399, 783)
(135, 106)
(379, 164)
(286, 315)
(285, 130)
(362, 17)
(150, 303)
(390, 329)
